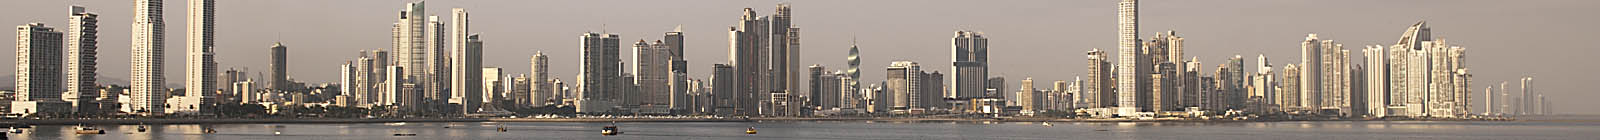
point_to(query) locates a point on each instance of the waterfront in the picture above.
(1524, 130)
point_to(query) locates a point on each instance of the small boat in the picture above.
(277, 132)
(502, 128)
(752, 130)
(610, 130)
(141, 128)
(1048, 124)
(88, 130)
(1101, 130)
(405, 134)
(14, 130)
(208, 131)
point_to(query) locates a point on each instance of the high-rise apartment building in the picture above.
(1098, 91)
(1130, 57)
(653, 72)
(468, 82)
(1377, 81)
(1311, 92)
(600, 72)
(201, 75)
(542, 92)
(1290, 98)
(38, 73)
(82, 45)
(1026, 97)
(148, 76)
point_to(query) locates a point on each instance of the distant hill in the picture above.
(8, 82)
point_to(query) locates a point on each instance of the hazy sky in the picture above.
(1043, 39)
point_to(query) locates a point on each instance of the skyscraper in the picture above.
(279, 65)
(1264, 81)
(1130, 58)
(348, 75)
(653, 72)
(1505, 107)
(1233, 79)
(543, 93)
(202, 67)
(599, 73)
(678, 75)
(38, 73)
(410, 52)
(1311, 73)
(970, 61)
(1377, 79)
(854, 60)
(931, 96)
(467, 84)
(1098, 91)
(521, 91)
(745, 55)
(724, 90)
(904, 78)
(147, 62)
(817, 86)
(1489, 101)
(1290, 99)
(1527, 103)
(1026, 96)
(82, 43)
(784, 51)
(847, 96)
(439, 76)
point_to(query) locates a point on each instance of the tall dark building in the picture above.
(724, 91)
(279, 79)
(599, 80)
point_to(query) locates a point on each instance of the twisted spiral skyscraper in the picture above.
(855, 65)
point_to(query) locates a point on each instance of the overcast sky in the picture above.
(1043, 39)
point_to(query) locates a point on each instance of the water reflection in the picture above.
(842, 130)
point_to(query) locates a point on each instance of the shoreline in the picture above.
(6, 123)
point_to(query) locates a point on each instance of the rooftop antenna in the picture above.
(852, 39)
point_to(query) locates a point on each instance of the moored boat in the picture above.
(88, 130)
(752, 130)
(610, 130)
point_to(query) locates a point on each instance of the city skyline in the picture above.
(826, 44)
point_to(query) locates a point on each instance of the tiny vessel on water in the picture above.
(502, 128)
(14, 130)
(752, 130)
(208, 131)
(1048, 124)
(405, 134)
(610, 130)
(88, 130)
(141, 128)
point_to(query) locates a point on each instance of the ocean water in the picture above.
(1355, 130)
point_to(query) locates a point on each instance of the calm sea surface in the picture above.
(1588, 130)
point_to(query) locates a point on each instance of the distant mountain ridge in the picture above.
(9, 82)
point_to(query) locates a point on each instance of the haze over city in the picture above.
(1043, 39)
